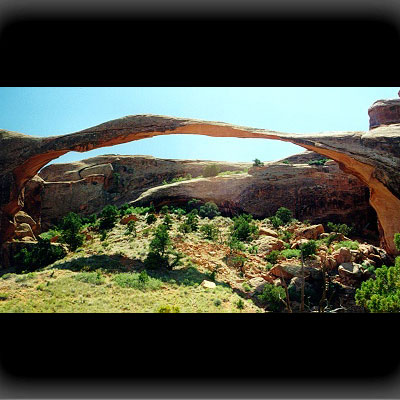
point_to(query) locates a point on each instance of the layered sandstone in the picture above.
(317, 193)
(373, 157)
(384, 112)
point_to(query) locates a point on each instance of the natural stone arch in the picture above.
(373, 157)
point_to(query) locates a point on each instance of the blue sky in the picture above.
(60, 110)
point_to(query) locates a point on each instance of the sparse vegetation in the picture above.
(257, 163)
(318, 162)
(210, 170)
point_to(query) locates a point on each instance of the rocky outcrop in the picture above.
(316, 193)
(374, 157)
(384, 112)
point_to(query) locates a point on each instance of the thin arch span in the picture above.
(347, 148)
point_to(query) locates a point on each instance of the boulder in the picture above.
(264, 231)
(350, 270)
(298, 243)
(208, 284)
(266, 244)
(127, 218)
(310, 232)
(342, 255)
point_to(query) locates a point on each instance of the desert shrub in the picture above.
(168, 309)
(397, 241)
(50, 234)
(178, 179)
(381, 294)
(108, 216)
(235, 244)
(41, 255)
(167, 221)
(194, 204)
(71, 225)
(340, 228)
(286, 236)
(210, 170)
(347, 243)
(284, 214)
(164, 209)
(157, 256)
(209, 231)
(180, 212)
(132, 228)
(257, 163)
(309, 248)
(94, 278)
(4, 296)
(275, 221)
(89, 220)
(217, 302)
(291, 253)
(191, 222)
(209, 210)
(240, 304)
(243, 229)
(150, 219)
(272, 256)
(272, 297)
(140, 281)
(253, 249)
(318, 162)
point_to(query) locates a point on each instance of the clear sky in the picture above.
(59, 110)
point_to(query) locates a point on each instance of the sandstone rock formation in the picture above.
(384, 112)
(316, 193)
(374, 157)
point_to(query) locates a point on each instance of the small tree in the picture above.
(71, 225)
(109, 217)
(209, 210)
(284, 214)
(150, 219)
(167, 221)
(258, 163)
(209, 231)
(243, 229)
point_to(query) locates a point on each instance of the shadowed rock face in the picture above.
(373, 157)
(317, 193)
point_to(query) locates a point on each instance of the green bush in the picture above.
(210, 170)
(284, 214)
(318, 162)
(240, 304)
(243, 229)
(272, 256)
(50, 234)
(340, 228)
(347, 243)
(209, 231)
(169, 309)
(235, 244)
(108, 216)
(271, 297)
(209, 210)
(275, 221)
(397, 241)
(194, 204)
(71, 225)
(137, 281)
(257, 163)
(291, 253)
(309, 248)
(381, 294)
(191, 222)
(41, 255)
(167, 221)
(150, 219)
(94, 278)
(132, 228)
(164, 209)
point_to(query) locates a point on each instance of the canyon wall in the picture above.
(317, 193)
